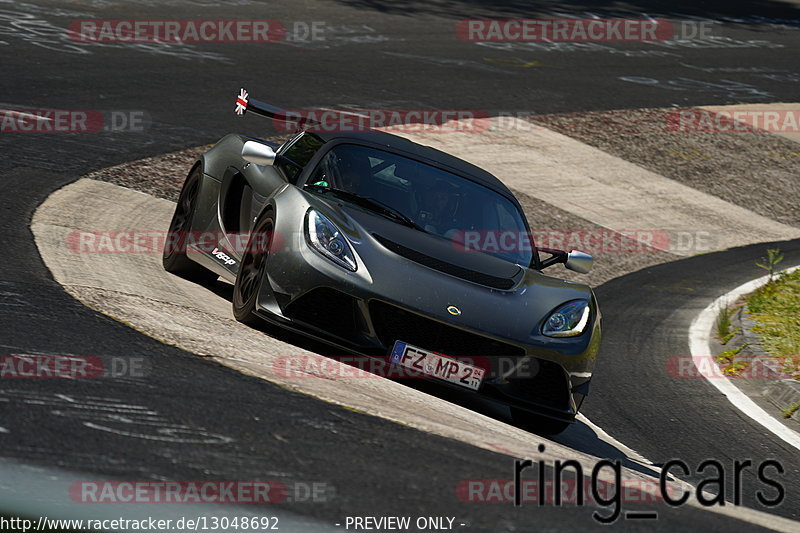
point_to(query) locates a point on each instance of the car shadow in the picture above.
(579, 436)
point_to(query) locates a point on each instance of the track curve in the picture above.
(235, 426)
(648, 315)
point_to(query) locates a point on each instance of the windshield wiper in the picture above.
(373, 205)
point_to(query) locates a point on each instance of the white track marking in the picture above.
(22, 114)
(602, 435)
(699, 340)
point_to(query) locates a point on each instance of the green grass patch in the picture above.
(775, 308)
(728, 365)
(723, 324)
(787, 413)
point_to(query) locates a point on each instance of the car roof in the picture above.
(419, 151)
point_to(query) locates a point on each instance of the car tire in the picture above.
(252, 269)
(540, 425)
(174, 256)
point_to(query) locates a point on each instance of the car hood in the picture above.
(432, 251)
(516, 312)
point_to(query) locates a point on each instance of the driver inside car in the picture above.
(343, 169)
(438, 213)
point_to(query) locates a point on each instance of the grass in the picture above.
(723, 324)
(787, 413)
(775, 308)
(728, 364)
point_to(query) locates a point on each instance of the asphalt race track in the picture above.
(207, 421)
(645, 318)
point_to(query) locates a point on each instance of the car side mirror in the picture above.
(579, 262)
(258, 153)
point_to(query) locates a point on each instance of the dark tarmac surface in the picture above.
(405, 56)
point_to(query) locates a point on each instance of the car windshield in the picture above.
(471, 216)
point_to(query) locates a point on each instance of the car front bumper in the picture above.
(397, 299)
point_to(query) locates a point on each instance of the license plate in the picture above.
(437, 365)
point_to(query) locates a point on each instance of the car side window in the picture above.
(291, 162)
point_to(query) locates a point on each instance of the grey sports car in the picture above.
(395, 251)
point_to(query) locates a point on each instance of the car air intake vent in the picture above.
(448, 268)
(394, 323)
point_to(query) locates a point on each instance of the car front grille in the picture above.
(393, 323)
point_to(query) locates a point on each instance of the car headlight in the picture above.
(568, 320)
(326, 238)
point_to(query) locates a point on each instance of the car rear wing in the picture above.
(245, 104)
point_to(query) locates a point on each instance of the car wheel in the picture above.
(174, 257)
(538, 424)
(252, 269)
